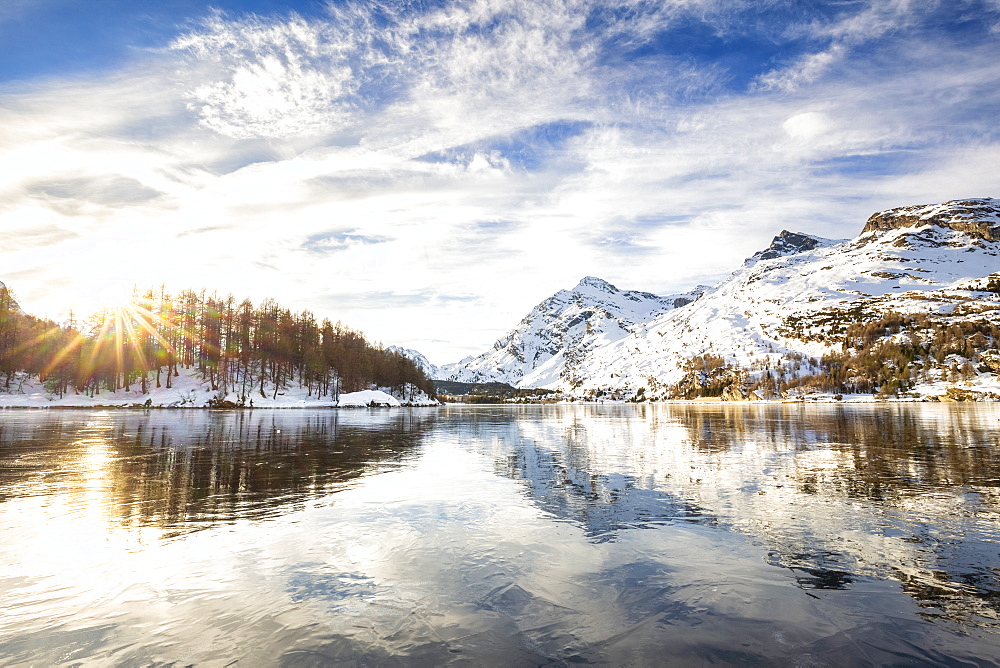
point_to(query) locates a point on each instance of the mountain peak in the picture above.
(787, 243)
(596, 283)
(977, 217)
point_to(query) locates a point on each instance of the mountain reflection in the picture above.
(895, 492)
(192, 470)
(841, 498)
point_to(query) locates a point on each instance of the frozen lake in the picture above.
(537, 535)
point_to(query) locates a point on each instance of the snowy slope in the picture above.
(779, 304)
(551, 345)
(430, 370)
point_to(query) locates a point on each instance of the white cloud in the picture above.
(301, 170)
(878, 19)
(271, 80)
(806, 126)
(806, 70)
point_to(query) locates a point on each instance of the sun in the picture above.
(125, 336)
(115, 295)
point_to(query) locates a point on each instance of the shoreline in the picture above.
(189, 390)
(384, 402)
(140, 407)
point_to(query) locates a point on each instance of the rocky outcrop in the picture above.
(979, 218)
(989, 362)
(787, 243)
(954, 394)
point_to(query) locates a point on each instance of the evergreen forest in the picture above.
(236, 346)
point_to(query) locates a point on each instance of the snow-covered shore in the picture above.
(189, 390)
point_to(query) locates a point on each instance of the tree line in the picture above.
(238, 348)
(892, 353)
(884, 355)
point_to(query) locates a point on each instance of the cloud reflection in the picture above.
(598, 534)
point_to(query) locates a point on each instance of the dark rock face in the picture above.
(978, 218)
(786, 243)
(682, 301)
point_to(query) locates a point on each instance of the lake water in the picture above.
(492, 535)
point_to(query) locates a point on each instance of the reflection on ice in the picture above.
(614, 535)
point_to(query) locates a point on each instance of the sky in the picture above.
(427, 172)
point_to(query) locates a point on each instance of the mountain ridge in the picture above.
(545, 347)
(779, 317)
(979, 216)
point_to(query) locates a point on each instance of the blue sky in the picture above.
(73, 37)
(428, 171)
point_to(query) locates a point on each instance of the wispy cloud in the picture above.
(108, 190)
(37, 236)
(271, 79)
(454, 163)
(335, 241)
(805, 70)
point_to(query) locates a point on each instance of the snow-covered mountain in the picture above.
(550, 346)
(781, 311)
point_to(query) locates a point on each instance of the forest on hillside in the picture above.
(885, 355)
(237, 347)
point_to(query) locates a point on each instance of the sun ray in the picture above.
(99, 340)
(36, 340)
(75, 343)
(145, 322)
(118, 347)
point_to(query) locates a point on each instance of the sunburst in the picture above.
(129, 336)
